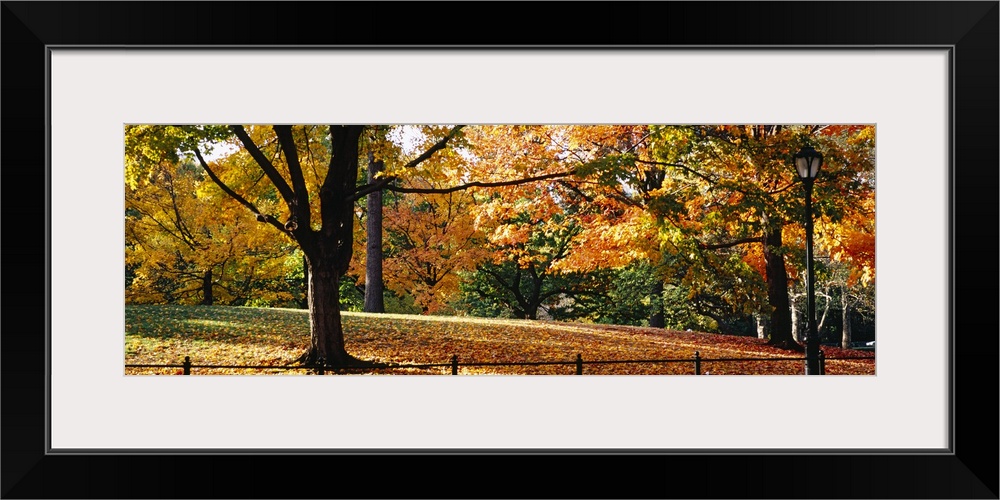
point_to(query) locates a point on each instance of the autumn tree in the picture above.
(740, 192)
(428, 234)
(431, 239)
(617, 173)
(722, 196)
(307, 185)
(180, 249)
(523, 274)
(849, 238)
(551, 244)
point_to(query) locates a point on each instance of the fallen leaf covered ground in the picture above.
(217, 335)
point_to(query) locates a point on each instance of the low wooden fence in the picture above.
(454, 364)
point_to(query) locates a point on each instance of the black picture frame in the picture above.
(969, 28)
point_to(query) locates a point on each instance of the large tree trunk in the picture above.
(527, 307)
(374, 287)
(656, 318)
(328, 252)
(206, 289)
(327, 333)
(777, 291)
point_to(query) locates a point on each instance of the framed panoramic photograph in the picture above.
(316, 245)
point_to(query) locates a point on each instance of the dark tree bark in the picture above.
(327, 339)
(374, 286)
(656, 318)
(206, 289)
(777, 290)
(328, 250)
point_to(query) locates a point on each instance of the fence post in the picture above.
(187, 365)
(579, 364)
(697, 363)
(319, 369)
(454, 364)
(822, 363)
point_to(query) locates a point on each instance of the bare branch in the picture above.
(576, 190)
(730, 244)
(461, 187)
(782, 189)
(680, 166)
(178, 236)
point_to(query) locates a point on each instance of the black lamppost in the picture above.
(807, 162)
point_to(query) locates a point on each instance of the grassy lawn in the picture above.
(218, 335)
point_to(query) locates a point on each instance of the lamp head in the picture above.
(807, 162)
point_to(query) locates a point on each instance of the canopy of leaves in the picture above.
(576, 205)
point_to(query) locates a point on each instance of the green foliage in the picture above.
(481, 296)
(400, 304)
(351, 298)
(628, 299)
(150, 145)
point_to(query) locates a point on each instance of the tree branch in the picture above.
(385, 181)
(779, 190)
(576, 190)
(163, 226)
(300, 207)
(265, 165)
(260, 217)
(680, 166)
(473, 184)
(714, 182)
(730, 244)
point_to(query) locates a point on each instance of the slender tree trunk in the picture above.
(374, 287)
(826, 309)
(845, 339)
(656, 318)
(796, 331)
(761, 325)
(777, 290)
(206, 289)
